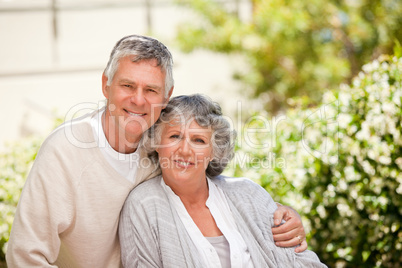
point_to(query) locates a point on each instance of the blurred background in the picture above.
(53, 54)
(317, 82)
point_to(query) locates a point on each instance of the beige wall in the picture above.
(42, 76)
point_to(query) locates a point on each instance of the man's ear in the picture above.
(168, 98)
(105, 87)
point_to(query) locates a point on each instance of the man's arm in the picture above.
(43, 211)
(291, 233)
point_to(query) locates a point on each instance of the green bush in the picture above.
(293, 48)
(15, 162)
(339, 165)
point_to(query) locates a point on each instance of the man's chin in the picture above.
(135, 129)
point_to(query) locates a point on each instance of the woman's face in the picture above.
(184, 152)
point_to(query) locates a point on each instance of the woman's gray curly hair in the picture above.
(207, 114)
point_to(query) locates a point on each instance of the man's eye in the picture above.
(152, 90)
(127, 86)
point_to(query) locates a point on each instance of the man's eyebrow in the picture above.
(130, 82)
(156, 87)
(126, 81)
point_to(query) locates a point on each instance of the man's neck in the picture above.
(117, 138)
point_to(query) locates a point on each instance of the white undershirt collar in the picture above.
(125, 164)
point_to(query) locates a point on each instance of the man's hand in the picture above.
(291, 233)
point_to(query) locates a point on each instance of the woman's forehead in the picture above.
(181, 123)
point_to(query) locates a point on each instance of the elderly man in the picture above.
(68, 213)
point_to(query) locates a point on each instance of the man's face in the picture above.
(135, 97)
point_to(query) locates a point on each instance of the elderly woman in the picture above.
(190, 215)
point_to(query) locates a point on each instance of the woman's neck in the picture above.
(192, 193)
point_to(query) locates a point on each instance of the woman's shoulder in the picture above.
(146, 190)
(245, 193)
(234, 183)
(241, 187)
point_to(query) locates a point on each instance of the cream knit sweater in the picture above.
(69, 209)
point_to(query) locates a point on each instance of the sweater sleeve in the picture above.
(44, 212)
(138, 241)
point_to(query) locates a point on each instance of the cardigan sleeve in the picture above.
(139, 244)
(286, 257)
(254, 207)
(44, 211)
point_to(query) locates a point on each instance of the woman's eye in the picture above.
(199, 141)
(175, 136)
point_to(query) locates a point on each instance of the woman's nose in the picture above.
(185, 147)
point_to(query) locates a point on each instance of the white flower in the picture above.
(372, 154)
(389, 108)
(376, 108)
(374, 217)
(344, 210)
(375, 64)
(344, 120)
(357, 82)
(398, 161)
(384, 160)
(364, 133)
(333, 159)
(399, 189)
(382, 200)
(321, 211)
(353, 193)
(377, 183)
(342, 185)
(397, 98)
(352, 129)
(368, 168)
(368, 68)
(376, 76)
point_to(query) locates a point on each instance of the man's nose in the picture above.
(138, 97)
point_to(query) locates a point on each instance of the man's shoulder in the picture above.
(76, 133)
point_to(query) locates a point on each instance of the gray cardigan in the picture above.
(152, 234)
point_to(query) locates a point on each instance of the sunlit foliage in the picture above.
(15, 162)
(293, 47)
(340, 165)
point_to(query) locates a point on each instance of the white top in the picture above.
(219, 208)
(221, 246)
(125, 164)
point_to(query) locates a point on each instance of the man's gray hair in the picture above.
(207, 114)
(141, 48)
